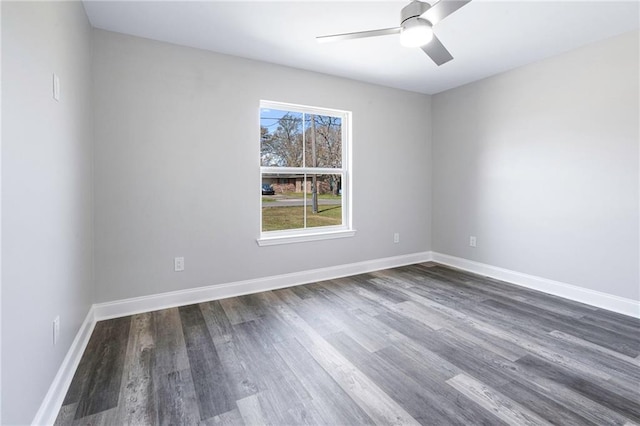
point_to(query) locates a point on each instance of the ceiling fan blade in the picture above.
(360, 34)
(442, 9)
(437, 52)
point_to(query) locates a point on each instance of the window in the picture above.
(304, 172)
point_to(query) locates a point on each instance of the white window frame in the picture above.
(321, 232)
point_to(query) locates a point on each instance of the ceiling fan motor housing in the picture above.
(413, 10)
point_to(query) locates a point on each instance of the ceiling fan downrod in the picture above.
(415, 9)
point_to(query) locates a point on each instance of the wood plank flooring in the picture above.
(421, 344)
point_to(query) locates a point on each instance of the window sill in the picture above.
(303, 238)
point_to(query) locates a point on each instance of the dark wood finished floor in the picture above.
(418, 344)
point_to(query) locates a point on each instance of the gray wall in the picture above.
(541, 164)
(46, 195)
(177, 167)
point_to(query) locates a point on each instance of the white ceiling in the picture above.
(484, 37)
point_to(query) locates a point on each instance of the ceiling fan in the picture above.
(417, 20)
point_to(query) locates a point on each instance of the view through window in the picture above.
(304, 172)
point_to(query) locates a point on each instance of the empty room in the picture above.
(320, 212)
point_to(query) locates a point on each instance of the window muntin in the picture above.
(304, 159)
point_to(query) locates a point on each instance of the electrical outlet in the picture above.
(178, 264)
(472, 241)
(396, 238)
(56, 329)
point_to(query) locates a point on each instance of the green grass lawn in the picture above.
(279, 218)
(327, 196)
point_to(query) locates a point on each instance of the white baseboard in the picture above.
(120, 308)
(568, 291)
(52, 402)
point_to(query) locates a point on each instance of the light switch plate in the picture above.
(56, 88)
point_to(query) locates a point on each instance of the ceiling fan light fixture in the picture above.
(415, 32)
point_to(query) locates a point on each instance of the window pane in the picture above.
(323, 141)
(285, 208)
(324, 200)
(302, 170)
(280, 138)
